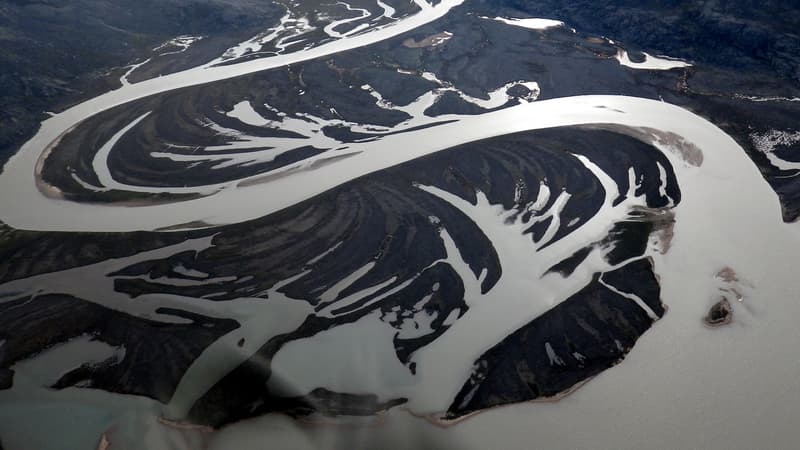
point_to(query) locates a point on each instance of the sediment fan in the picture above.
(322, 263)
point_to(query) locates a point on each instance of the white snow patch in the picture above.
(650, 62)
(530, 23)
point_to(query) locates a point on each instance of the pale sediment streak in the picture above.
(132, 68)
(286, 33)
(632, 297)
(181, 42)
(293, 30)
(310, 128)
(388, 11)
(63, 282)
(330, 29)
